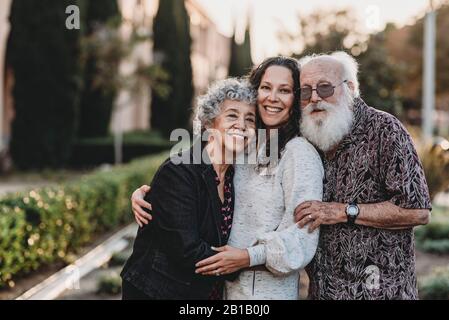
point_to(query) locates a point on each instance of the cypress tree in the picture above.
(172, 48)
(97, 101)
(241, 61)
(45, 59)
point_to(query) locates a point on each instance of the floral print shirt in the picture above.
(376, 162)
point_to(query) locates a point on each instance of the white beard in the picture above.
(327, 130)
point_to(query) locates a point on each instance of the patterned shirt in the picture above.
(227, 211)
(376, 162)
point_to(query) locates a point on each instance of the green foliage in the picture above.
(434, 237)
(48, 225)
(380, 77)
(110, 284)
(45, 58)
(130, 138)
(435, 162)
(241, 61)
(327, 31)
(415, 42)
(435, 286)
(118, 259)
(102, 58)
(172, 49)
(434, 246)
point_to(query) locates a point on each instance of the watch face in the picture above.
(352, 210)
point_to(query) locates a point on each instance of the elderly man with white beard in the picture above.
(375, 190)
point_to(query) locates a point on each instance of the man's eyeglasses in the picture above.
(324, 90)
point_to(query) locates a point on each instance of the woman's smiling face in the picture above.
(275, 96)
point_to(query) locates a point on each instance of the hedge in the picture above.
(90, 152)
(51, 224)
(435, 286)
(434, 237)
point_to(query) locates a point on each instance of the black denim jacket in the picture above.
(186, 223)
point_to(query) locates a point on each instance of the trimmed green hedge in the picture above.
(435, 286)
(50, 224)
(434, 237)
(90, 152)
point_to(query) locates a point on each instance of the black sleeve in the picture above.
(174, 201)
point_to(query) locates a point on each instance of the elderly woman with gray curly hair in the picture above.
(194, 204)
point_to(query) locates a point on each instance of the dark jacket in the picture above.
(186, 223)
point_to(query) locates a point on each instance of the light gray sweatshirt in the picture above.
(264, 222)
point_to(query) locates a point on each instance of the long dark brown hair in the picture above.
(290, 129)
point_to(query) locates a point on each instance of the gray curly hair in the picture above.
(209, 105)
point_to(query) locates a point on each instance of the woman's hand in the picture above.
(137, 204)
(228, 260)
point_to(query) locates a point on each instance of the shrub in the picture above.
(98, 97)
(434, 237)
(434, 246)
(118, 259)
(49, 224)
(110, 284)
(436, 285)
(96, 151)
(435, 162)
(45, 57)
(173, 53)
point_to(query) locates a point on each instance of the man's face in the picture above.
(325, 121)
(322, 71)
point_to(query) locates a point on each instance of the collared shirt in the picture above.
(376, 162)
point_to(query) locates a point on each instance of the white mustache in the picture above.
(316, 107)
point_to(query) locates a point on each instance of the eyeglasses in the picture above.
(324, 90)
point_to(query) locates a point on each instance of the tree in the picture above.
(172, 48)
(380, 77)
(97, 99)
(241, 61)
(324, 32)
(45, 60)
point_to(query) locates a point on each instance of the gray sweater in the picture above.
(264, 222)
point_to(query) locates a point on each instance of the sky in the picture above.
(269, 17)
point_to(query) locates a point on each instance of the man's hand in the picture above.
(228, 260)
(316, 213)
(138, 204)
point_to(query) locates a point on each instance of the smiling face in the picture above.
(275, 96)
(321, 71)
(235, 126)
(325, 122)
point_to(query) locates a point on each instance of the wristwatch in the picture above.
(352, 212)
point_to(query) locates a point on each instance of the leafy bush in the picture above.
(49, 224)
(110, 284)
(45, 57)
(435, 162)
(434, 246)
(436, 285)
(434, 237)
(96, 151)
(118, 259)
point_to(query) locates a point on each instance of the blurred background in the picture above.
(91, 90)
